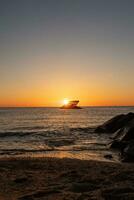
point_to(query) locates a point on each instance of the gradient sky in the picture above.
(76, 49)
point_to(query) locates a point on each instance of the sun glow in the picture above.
(65, 101)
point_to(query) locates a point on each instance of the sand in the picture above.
(56, 179)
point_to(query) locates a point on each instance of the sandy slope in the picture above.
(56, 179)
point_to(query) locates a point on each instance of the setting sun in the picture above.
(65, 101)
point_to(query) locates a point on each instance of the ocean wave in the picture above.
(22, 151)
(30, 133)
(25, 151)
(83, 129)
(29, 128)
(43, 133)
(60, 142)
(13, 134)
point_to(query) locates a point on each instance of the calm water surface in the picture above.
(55, 132)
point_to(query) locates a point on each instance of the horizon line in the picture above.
(59, 106)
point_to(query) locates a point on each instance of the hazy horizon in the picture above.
(52, 50)
(85, 106)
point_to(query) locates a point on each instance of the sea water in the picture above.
(54, 132)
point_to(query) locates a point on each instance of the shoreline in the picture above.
(105, 155)
(54, 178)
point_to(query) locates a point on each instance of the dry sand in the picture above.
(56, 179)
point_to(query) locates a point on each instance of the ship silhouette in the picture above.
(71, 105)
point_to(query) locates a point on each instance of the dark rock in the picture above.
(123, 136)
(115, 123)
(117, 134)
(127, 155)
(108, 156)
(126, 133)
(123, 139)
(115, 144)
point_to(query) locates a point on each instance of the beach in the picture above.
(52, 154)
(55, 179)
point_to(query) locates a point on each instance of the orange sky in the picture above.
(88, 96)
(93, 86)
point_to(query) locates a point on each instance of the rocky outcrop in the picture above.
(127, 155)
(115, 123)
(123, 138)
(125, 134)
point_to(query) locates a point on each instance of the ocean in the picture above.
(54, 132)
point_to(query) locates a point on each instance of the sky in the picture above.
(75, 49)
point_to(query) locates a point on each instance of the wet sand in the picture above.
(56, 179)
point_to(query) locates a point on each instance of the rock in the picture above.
(108, 156)
(127, 155)
(115, 123)
(123, 139)
(123, 136)
(127, 134)
(115, 144)
(116, 134)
